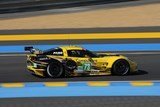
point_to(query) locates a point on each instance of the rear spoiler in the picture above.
(28, 48)
(32, 50)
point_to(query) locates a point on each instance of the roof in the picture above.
(70, 47)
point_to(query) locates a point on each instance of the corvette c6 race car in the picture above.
(67, 61)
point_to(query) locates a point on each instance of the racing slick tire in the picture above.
(120, 67)
(55, 70)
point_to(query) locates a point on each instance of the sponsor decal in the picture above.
(57, 53)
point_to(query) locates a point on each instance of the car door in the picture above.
(79, 56)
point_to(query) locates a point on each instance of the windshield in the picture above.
(91, 54)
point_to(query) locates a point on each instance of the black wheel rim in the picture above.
(122, 67)
(54, 70)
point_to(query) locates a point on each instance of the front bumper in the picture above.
(133, 67)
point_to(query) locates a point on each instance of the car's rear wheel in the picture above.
(120, 67)
(55, 70)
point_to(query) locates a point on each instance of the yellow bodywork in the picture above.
(103, 63)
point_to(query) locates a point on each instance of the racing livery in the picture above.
(66, 61)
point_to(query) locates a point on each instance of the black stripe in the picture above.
(27, 6)
(72, 42)
(83, 30)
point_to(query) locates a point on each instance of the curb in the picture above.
(70, 89)
(86, 84)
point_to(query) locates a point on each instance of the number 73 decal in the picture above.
(86, 66)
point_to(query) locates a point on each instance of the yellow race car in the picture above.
(66, 61)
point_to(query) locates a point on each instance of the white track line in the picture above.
(138, 53)
(125, 53)
(1, 55)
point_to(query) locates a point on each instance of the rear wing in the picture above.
(32, 50)
(28, 48)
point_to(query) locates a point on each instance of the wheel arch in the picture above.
(112, 60)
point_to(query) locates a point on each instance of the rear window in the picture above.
(56, 52)
(76, 53)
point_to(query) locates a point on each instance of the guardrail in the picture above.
(13, 6)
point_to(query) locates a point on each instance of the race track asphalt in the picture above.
(13, 69)
(147, 101)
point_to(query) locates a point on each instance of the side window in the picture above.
(57, 52)
(75, 53)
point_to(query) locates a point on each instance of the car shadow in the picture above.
(139, 72)
(38, 76)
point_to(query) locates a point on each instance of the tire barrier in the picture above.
(13, 6)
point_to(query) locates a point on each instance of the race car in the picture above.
(69, 61)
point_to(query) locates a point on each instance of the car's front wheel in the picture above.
(120, 67)
(55, 70)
